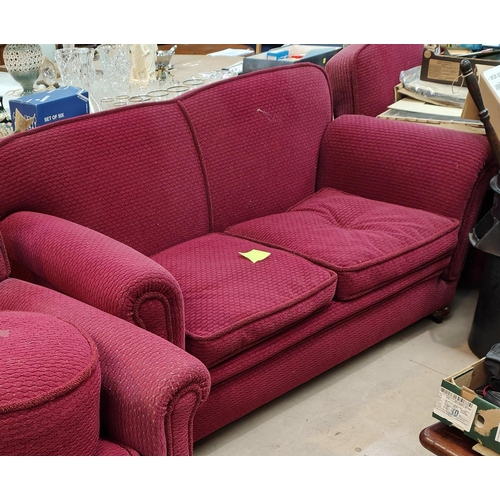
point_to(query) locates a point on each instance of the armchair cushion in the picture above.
(367, 243)
(232, 303)
(150, 388)
(49, 393)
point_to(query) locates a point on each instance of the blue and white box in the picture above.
(51, 105)
(276, 54)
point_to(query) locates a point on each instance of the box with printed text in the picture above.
(50, 106)
(459, 404)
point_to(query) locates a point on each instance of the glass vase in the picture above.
(116, 68)
(76, 66)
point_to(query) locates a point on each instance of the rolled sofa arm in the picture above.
(426, 167)
(150, 389)
(421, 166)
(97, 270)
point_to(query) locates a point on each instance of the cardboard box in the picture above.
(412, 110)
(440, 68)
(489, 84)
(316, 54)
(458, 405)
(51, 105)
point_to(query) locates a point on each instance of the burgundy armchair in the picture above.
(78, 381)
(363, 76)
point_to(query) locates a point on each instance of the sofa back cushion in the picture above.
(131, 173)
(363, 76)
(157, 174)
(259, 139)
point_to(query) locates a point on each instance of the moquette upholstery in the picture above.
(153, 213)
(78, 381)
(362, 78)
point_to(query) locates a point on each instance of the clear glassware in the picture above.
(158, 95)
(87, 71)
(178, 89)
(194, 82)
(107, 103)
(116, 68)
(76, 66)
(119, 104)
(136, 99)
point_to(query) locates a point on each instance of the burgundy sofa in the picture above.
(145, 212)
(78, 381)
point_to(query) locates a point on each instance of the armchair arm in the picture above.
(97, 270)
(430, 168)
(150, 389)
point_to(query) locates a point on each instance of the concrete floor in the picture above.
(375, 404)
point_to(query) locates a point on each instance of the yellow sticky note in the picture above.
(255, 255)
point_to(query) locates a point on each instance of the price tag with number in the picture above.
(454, 408)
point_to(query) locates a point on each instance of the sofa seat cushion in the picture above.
(50, 387)
(232, 303)
(367, 243)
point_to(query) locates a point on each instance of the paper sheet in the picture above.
(255, 255)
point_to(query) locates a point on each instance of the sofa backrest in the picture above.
(363, 76)
(156, 174)
(259, 139)
(133, 175)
